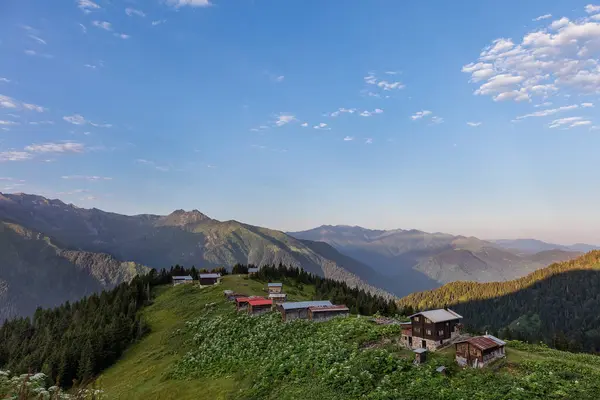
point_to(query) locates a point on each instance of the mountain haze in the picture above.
(425, 260)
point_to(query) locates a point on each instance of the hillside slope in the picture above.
(219, 354)
(34, 271)
(184, 238)
(557, 304)
(425, 260)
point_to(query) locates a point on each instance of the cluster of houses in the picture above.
(321, 310)
(435, 329)
(203, 279)
(427, 330)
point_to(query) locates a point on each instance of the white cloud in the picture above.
(6, 123)
(8, 179)
(420, 115)
(369, 141)
(38, 39)
(103, 25)
(551, 111)
(83, 28)
(280, 78)
(87, 6)
(190, 3)
(77, 119)
(9, 102)
(437, 120)
(14, 156)
(370, 113)
(383, 84)
(592, 9)
(342, 111)
(30, 52)
(545, 104)
(473, 124)
(322, 125)
(541, 17)
(392, 72)
(158, 22)
(348, 138)
(284, 119)
(546, 62)
(132, 11)
(587, 105)
(122, 35)
(162, 168)
(304, 125)
(41, 122)
(64, 147)
(86, 178)
(570, 122)
(5, 80)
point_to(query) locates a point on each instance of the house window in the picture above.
(417, 329)
(427, 321)
(416, 319)
(441, 333)
(447, 323)
(428, 331)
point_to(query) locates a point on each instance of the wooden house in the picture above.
(325, 313)
(275, 287)
(209, 279)
(259, 306)
(431, 329)
(278, 298)
(241, 303)
(420, 356)
(252, 271)
(178, 280)
(477, 352)
(299, 309)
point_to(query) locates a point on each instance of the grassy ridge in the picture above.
(222, 355)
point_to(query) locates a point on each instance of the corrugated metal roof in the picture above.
(440, 315)
(277, 295)
(260, 302)
(495, 339)
(482, 342)
(305, 304)
(329, 308)
(274, 284)
(247, 298)
(183, 278)
(209, 276)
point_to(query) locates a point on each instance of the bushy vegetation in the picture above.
(557, 305)
(357, 300)
(353, 358)
(33, 386)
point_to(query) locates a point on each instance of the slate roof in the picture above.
(329, 308)
(305, 304)
(209, 276)
(441, 315)
(183, 278)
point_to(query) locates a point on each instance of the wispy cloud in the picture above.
(8, 179)
(158, 22)
(92, 178)
(83, 28)
(5, 80)
(14, 156)
(87, 6)
(77, 119)
(51, 147)
(38, 39)
(9, 102)
(420, 114)
(370, 113)
(279, 78)
(189, 3)
(587, 105)
(304, 124)
(133, 12)
(436, 120)
(46, 122)
(570, 122)
(341, 111)
(7, 123)
(541, 17)
(348, 139)
(122, 35)
(322, 126)
(107, 26)
(473, 124)
(284, 119)
(592, 9)
(162, 168)
(33, 53)
(383, 84)
(368, 141)
(549, 111)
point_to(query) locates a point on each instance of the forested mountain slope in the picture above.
(36, 271)
(558, 304)
(424, 260)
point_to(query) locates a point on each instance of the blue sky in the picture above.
(475, 118)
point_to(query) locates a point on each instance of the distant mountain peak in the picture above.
(181, 218)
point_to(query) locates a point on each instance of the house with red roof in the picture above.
(259, 306)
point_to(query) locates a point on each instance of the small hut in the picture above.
(325, 313)
(259, 306)
(299, 309)
(278, 298)
(275, 287)
(209, 279)
(252, 271)
(179, 280)
(420, 356)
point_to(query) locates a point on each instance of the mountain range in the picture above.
(43, 235)
(424, 261)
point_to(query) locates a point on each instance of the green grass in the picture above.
(142, 371)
